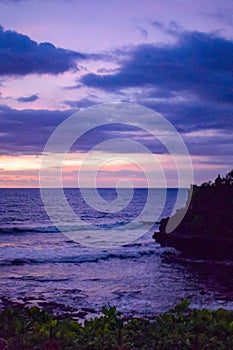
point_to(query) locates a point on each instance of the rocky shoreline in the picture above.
(206, 230)
(57, 309)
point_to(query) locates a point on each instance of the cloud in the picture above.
(142, 31)
(223, 16)
(105, 70)
(172, 28)
(83, 103)
(26, 132)
(12, 1)
(197, 63)
(19, 55)
(191, 114)
(31, 98)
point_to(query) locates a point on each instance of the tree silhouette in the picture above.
(229, 178)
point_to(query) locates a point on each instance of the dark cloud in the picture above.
(19, 55)
(27, 132)
(31, 98)
(83, 103)
(105, 70)
(192, 115)
(73, 87)
(198, 63)
(172, 28)
(101, 56)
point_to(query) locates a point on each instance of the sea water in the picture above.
(139, 277)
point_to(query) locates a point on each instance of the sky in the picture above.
(61, 57)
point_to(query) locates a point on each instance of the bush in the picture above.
(181, 328)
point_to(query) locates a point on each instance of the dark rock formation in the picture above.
(206, 230)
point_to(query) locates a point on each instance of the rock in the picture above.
(206, 230)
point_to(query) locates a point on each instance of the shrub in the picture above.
(181, 328)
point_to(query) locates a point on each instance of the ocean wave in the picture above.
(70, 228)
(27, 230)
(77, 259)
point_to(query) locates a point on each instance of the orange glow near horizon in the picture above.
(23, 171)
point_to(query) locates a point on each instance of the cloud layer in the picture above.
(197, 63)
(26, 132)
(19, 55)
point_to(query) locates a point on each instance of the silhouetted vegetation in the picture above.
(220, 181)
(181, 328)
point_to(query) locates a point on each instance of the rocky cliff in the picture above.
(207, 228)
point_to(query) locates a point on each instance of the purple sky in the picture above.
(58, 57)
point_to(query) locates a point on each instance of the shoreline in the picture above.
(56, 309)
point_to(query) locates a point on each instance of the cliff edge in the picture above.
(206, 230)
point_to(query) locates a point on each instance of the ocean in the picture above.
(38, 262)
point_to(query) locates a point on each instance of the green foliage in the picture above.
(181, 328)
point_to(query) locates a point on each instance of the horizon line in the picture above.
(89, 188)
